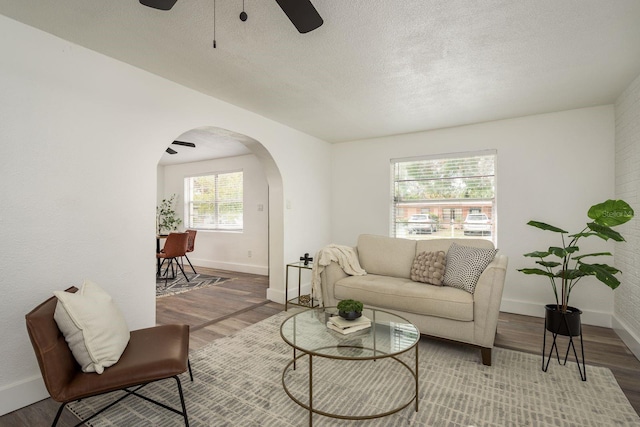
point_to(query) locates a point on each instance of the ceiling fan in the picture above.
(301, 13)
(183, 144)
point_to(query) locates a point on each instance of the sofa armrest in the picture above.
(486, 301)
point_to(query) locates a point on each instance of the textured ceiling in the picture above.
(375, 67)
(211, 143)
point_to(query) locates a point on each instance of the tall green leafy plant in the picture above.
(562, 264)
(166, 217)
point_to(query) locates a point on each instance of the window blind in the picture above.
(215, 201)
(442, 191)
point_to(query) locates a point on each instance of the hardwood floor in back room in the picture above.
(224, 309)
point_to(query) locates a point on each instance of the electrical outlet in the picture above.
(260, 207)
(249, 254)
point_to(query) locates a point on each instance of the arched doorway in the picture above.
(217, 143)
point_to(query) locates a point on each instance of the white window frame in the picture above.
(216, 222)
(441, 209)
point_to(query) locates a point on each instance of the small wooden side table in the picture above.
(300, 300)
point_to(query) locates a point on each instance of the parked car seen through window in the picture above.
(477, 223)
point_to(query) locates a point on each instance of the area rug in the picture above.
(180, 285)
(238, 382)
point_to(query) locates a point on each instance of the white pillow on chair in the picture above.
(92, 325)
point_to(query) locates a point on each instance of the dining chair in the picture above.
(152, 354)
(175, 247)
(191, 243)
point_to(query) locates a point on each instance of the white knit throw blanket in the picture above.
(346, 258)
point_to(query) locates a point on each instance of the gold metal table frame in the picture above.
(298, 300)
(296, 328)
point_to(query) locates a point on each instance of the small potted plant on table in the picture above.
(350, 309)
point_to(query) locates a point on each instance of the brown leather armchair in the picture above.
(153, 354)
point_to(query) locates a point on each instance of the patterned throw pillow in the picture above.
(465, 265)
(428, 267)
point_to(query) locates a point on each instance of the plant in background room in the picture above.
(566, 268)
(166, 217)
(350, 309)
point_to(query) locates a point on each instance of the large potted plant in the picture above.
(166, 217)
(565, 268)
(562, 264)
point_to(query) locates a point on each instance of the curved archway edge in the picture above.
(275, 203)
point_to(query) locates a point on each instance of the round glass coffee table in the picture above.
(377, 361)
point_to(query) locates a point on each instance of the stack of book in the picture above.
(338, 324)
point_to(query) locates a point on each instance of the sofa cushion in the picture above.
(404, 295)
(428, 267)
(465, 264)
(386, 256)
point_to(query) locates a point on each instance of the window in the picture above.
(444, 196)
(214, 202)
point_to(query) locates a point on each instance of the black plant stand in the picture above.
(560, 325)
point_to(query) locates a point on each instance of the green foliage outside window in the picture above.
(472, 178)
(216, 201)
(434, 195)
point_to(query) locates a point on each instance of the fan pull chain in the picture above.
(214, 24)
(243, 14)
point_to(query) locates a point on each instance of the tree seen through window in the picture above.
(438, 196)
(215, 201)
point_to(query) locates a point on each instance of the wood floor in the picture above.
(221, 310)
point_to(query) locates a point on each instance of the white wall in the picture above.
(627, 298)
(81, 135)
(551, 168)
(222, 249)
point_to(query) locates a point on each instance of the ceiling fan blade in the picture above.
(159, 4)
(302, 14)
(171, 151)
(185, 144)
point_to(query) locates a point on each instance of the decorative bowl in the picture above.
(351, 315)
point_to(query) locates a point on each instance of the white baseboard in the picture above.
(594, 318)
(23, 393)
(231, 266)
(277, 295)
(629, 338)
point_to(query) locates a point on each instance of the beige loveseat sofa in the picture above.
(440, 311)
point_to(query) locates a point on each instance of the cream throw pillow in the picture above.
(429, 267)
(92, 325)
